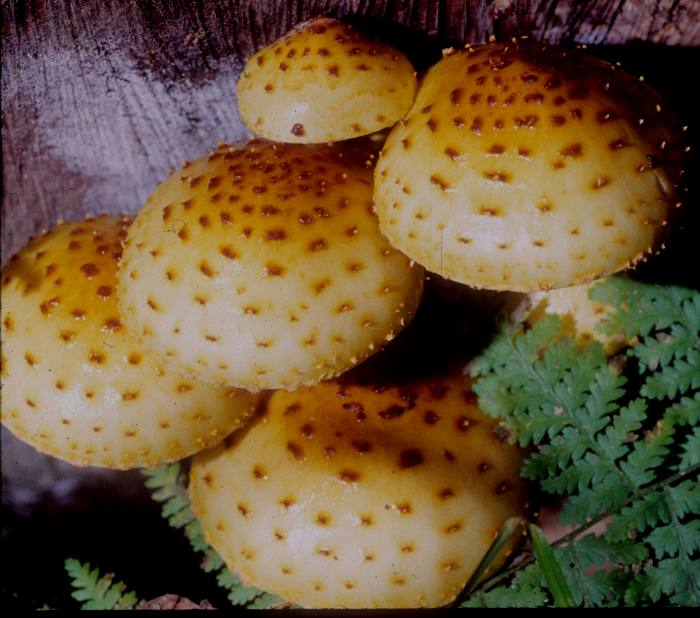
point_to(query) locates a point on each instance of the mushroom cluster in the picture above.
(252, 278)
(75, 383)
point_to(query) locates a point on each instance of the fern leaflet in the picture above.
(97, 591)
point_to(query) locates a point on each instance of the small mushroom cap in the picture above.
(523, 167)
(324, 82)
(75, 385)
(263, 267)
(581, 315)
(347, 495)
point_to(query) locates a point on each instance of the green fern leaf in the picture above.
(674, 379)
(609, 494)
(664, 347)
(686, 498)
(614, 449)
(598, 551)
(582, 564)
(266, 601)
(238, 593)
(525, 591)
(95, 591)
(646, 456)
(647, 511)
(686, 411)
(664, 540)
(641, 308)
(674, 578)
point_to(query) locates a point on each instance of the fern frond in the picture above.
(641, 308)
(169, 485)
(97, 591)
(617, 448)
(691, 450)
(676, 378)
(524, 591)
(677, 574)
(238, 593)
(589, 589)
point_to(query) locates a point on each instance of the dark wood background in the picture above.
(100, 98)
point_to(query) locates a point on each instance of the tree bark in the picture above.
(102, 97)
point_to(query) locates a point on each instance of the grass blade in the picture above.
(550, 568)
(505, 534)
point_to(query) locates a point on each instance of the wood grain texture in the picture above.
(102, 97)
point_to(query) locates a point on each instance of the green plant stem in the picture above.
(505, 534)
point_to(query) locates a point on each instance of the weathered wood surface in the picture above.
(102, 97)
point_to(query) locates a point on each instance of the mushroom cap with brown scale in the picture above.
(324, 82)
(263, 267)
(354, 496)
(523, 167)
(75, 385)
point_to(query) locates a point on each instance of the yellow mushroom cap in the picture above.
(263, 267)
(357, 496)
(75, 385)
(523, 167)
(324, 82)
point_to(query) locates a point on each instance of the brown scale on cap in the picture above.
(346, 85)
(73, 383)
(405, 506)
(535, 130)
(277, 263)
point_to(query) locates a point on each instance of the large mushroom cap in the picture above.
(523, 167)
(358, 496)
(74, 383)
(324, 82)
(264, 267)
